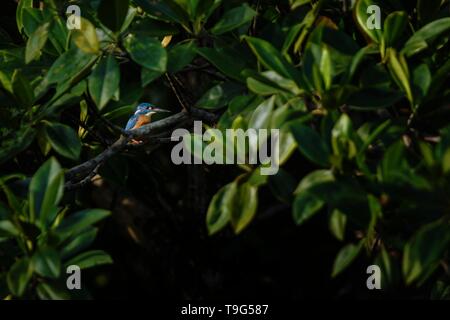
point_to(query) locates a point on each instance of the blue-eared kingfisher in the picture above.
(142, 116)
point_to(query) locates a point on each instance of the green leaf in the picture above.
(399, 69)
(5, 82)
(36, 42)
(180, 56)
(46, 190)
(22, 89)
(59, 34)
(307, 201)
(246, 202)
(47, 263)
(305, 206)
(90, 259)
(86, 38)
(104, 81)
(233, 19)
(80, 221)
(219, 210)
(20, 10)
(219, 95)
(389, 269)
(148, 52)
(394, 27)
(68, 66)
(31, 19)
(272, 59)
(337, 223)
(79, 243)
(262, 88)
(424, 251)
(345, 257)
(260, 118)
(167, 11)
(8, 229)
(47, 291)
(421, 79)
(326, 67)
(287, 144)
(153, 28)
(112, 13)
(282, 185)
(224, 62)
(63, 139)
(423, 38)
(270, 82)
(362, 19)
(148, 76)
(311, 144)
(18, 276)
(314, 179)
(342, 138)
(16, 144)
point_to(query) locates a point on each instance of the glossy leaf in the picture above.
(422, 39)
(8, 229)
(47, 263)
(314, 179)
(68, 66)
(366, 19)
(79, 243)
(36, 42)
(80, 221)
(394, 27)
(233, 19)
(148, 52)
(219, 95)
(246, 203)
(63, 140)
(220, 208)
(226, 64)
(272, 59)
(337, 224)
(424, 250)
(22, 89)
(90, 259)
(19, 276)
(260, 118)
(47, 291)
(399, 68)
(180, 56)
(345, 257)
(311, 144)
(86, 38)
(104, 81)
(305, 206)
(46, 190)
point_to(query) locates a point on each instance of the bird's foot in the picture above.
(136, 142)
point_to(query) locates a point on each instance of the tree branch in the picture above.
(81, 174)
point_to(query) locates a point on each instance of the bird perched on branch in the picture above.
(142, 116)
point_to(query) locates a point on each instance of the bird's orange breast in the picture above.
(142, 120)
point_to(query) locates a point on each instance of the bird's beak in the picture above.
(161, 110)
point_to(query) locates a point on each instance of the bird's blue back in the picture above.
(141, 109)
(132, 122)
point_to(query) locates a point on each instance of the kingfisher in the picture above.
(142, 116)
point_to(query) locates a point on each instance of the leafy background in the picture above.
(365, 149)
